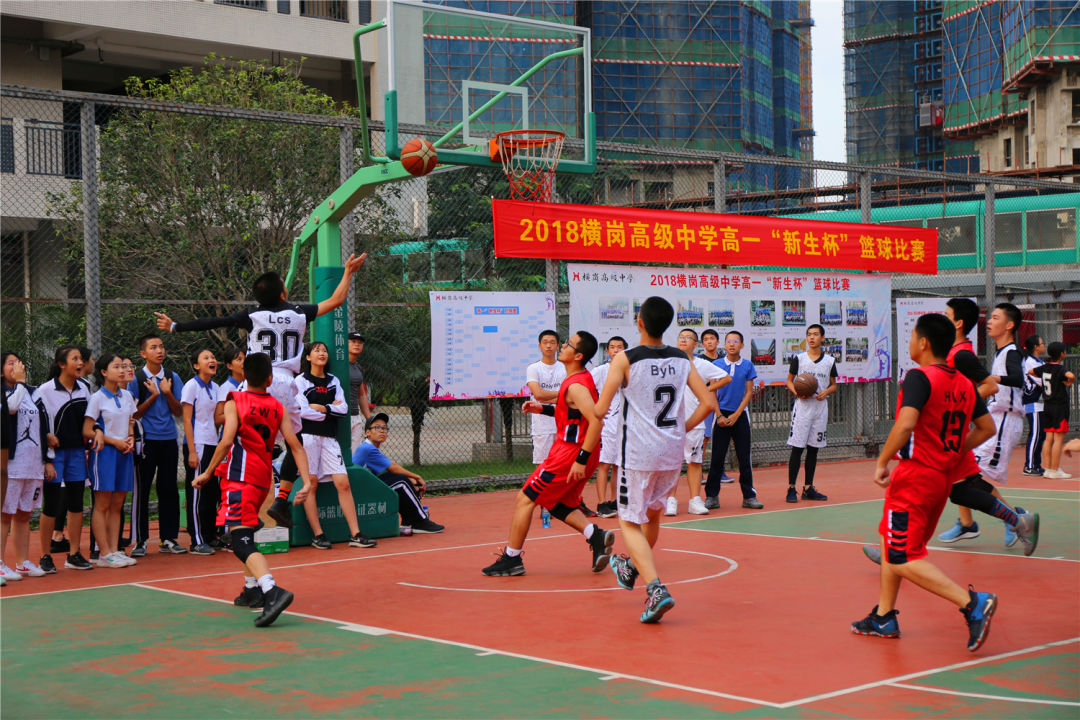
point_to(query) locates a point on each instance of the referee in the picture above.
(733, 423)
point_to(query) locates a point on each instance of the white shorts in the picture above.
(356, 427)
(609, 444)
(694, 445)
(22, 495)
(541, 447)
(993, 455)
(323, 456)
(644, 490)
(809, 420)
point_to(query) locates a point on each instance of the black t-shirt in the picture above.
(356, 379)
(1055, 392)
(969, 366)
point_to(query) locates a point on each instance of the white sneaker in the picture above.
(1062, 475)
(672, 507)
(1056, 474)
(697, 506)
(29, 568)
(9, 574)
(127, 558)
(112, 560)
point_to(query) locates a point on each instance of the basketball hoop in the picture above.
(529, 158)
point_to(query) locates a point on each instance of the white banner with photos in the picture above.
(908, 311)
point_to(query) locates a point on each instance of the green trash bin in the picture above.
(376, 509)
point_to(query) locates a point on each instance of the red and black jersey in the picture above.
(250, 456)
(947, 403)
(570, 424)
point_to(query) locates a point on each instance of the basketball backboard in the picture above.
(473, 74)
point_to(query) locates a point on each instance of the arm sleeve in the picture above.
(793, 366)
(177, 385)
(187, 394)
(310, 311)
(300, 384)
(969, 366)
(1014, 370)
(916, 389)
(339, 408)
(833, 373)
(43, 431)
(46, 425)
(531, 375)
(237, 320)
(980, 407)
(15, 398)
(93, 408)
(751, 373)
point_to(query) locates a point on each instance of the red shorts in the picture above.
(547, 486)
(240, 503)
(913, 503)
(965, 467)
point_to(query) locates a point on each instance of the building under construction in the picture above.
(947, 85)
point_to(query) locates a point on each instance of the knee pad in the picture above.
(973, 492)
(74, 495)
(52, 499)
(243, 543)
(561, 512)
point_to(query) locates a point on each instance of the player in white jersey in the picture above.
(653, 377)
(276, 328)
(694, 446)
(544, 377)
(609, 436)
(809, 416)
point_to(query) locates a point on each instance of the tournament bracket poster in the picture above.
(908, 311)
(482, 342)
(772, 309)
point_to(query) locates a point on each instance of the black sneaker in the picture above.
(625, 572)
(217, 544)
(978, 614)
(607, 509)
(1034, 471)
(274, 603)
(884, 626)
(279, 510)
(600, 543)
(361, 540)
(171, 547)
(202, 549)
(657, 603)
(139, 550)
(712, 502)
(809, 493)
(251, 597)
(77, 562)
(320, 541)
(792, 494)
(505, 566)
(95, 555)
(47, 564)
(427, 526)
(59, 546)
(588, 512)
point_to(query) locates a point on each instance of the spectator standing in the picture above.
(201, 402)
(359, 405)
(609, 435)
(544, 377)
(1055, 387)
(733, 424)
(1034, 348)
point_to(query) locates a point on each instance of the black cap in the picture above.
(356, 336)
(377, 416)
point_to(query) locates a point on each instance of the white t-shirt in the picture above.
(549, 377)
(708, 372)
(226, 387)
(113, 411)
(614, 413)
(203, 399)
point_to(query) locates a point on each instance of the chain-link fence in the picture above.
(116, 207)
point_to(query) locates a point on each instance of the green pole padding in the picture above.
(376, 509)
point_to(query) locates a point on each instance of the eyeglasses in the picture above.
(380, 428)
(567, 344)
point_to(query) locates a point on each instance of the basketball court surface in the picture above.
(764, 601)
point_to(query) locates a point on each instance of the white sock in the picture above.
(588, 531)
(250, 581)
(266, 582)
(512, 552)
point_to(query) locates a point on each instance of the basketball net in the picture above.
(529, 159)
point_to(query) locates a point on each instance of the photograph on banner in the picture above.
(771, 308)
(908, 311)
(482, 342)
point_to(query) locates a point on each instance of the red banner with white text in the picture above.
(638, 235)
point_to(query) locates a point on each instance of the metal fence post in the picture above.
(91, 236)
(863, 395)
(719, 175)
(348, 224)
(989, 245)
(864, 196)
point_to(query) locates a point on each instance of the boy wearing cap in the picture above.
(408, 485)
(359, 409)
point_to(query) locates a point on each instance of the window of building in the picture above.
(1008, 232)
(419, 266)
(363, 12)
(658, 191)
(956, 235)
(448, 266)
(284, 7)
(325, 9)
(7, 146)
(1076, 106)
(249, 4)
(1051, 229)
(1007, 152)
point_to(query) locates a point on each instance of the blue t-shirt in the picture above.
(730, 396)
(158, 422)
(371, 457)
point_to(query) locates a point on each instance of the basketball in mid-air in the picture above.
(419, 157)
(805, 385)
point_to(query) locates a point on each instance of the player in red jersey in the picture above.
(556, 484)
(935, 407)
(253, 419)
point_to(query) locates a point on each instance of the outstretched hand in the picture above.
(355, 263)
(164, 322)
(531, 406)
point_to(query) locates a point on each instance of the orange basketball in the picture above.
(419, 157)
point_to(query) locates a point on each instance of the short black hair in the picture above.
(540, 337)
(267, 289)
(257, 369)
(305, 364)
(937, 329)
(586, 345)
(1012, 313)
(692, 331)
(616, 338)
(143, 340)
(820, 329)
(966, 311)
(656, 314)
(1056, 350)
(194, 358)
(86, 353)
(734, 332)
(1031, 343)
(712, 332)
(101, 365)
(231, 353)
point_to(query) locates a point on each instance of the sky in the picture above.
(827, 38)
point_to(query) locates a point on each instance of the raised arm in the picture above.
(237, 320)
(341, 292)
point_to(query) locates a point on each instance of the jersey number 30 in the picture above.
(665, 394)
(290, 344)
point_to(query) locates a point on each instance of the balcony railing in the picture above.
(325, 9)
(249, 4)
(52, 148)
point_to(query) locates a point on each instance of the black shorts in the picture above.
(1055, 418)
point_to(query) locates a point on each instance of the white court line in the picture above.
(982, 696)
(924, 673)
(732, 567)
(1031, 497)
(485, 651)
(758, 513)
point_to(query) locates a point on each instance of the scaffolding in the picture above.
(1039, 38)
